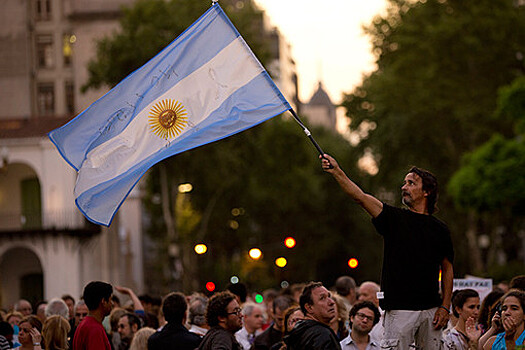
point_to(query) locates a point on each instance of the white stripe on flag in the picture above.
(200, 93)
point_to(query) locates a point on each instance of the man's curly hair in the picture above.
(217, 307)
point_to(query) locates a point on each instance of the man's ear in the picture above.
(221, 319)
(308, 308)
(134, 328)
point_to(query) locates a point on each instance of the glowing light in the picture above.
(210, 286)
(439, 276)
(258, 298)
(185, 188)
(234, 279)
(353, 263)
(285, 284)
(281, 262)
(289, 242)
(201, 248)
(255, 253)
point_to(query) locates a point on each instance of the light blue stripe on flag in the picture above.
(205, 86)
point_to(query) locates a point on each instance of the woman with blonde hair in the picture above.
(140, 339)
(55, 331)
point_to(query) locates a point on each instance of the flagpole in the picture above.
(308, 134)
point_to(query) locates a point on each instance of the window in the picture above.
(43, 10)
(46, 98)
(44, 49)
(70, 97)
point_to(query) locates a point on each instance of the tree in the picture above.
(439, 66)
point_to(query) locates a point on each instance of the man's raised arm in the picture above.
(371, 204)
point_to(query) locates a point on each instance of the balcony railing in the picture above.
(51, 220)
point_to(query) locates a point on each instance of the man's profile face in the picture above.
(278, 317)
(255, 320)
(323, 306)
(233, 317)
(412, 190)
(363, 321)
(124, 328)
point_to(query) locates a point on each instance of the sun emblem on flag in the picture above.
(167, 118)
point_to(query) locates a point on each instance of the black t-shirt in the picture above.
(414, 247)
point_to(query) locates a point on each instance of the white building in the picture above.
(47, 248)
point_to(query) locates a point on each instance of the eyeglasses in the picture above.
(362, 316)
(236, 311)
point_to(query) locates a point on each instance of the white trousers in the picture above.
(407, 329)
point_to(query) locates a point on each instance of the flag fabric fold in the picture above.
(206, 85)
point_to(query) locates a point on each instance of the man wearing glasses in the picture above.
(363, 317)
(224, 316)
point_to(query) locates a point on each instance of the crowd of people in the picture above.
(303, 316)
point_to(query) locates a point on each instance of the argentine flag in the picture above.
(206, 85)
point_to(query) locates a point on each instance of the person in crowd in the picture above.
(364, 315)
(314, 332)
(14, 318)
(513, 321)
(416, 247)
(114, 317)
(268, 297)
(55, 333)
(345, 286)
(465, 335)
(90, 334)
(128, 325)
(57, 306)
(368, 292)
(6, 336)
(224, 316)
(253, 321)
(485, 314)
(24, 307)
(81, 311)
(292, 315)
(273, 334)
(339, 322)
(174, 307)
(70, 302)
(197, 315)
(140, 340)
(517, 282)
(30, 333)
(40, 308)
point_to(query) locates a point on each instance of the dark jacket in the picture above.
(218, 338)
(173, 336)
(267, 339)
(312, 335)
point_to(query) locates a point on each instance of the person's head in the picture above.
(81, 311)
(57, 306)
(174, 308)
(465, 304)
(97, 296)
(279, 305)
(316, 303)
(6, 330)
(345, 286)
(70, 302)
(26, 324)
(54, 333)
(24, 307)
(140, 340)
(517, 282)
(253, 317)
(291, 316)
(239, 290)
(14, 318)
(128, 325)
(485, 312)
(368, 292)
(197, 310)
(224, 311)
(41, 311)
(114, 317)
(420, 185)
(341, 311)
(513, 306)
(363, 317)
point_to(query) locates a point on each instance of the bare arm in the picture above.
(447, 279)
(493, 330)
(372, 205)
(137, 305)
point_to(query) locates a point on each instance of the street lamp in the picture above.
(255, 253)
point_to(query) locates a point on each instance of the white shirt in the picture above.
(349, 344)
(244, 338)
(198, 330)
